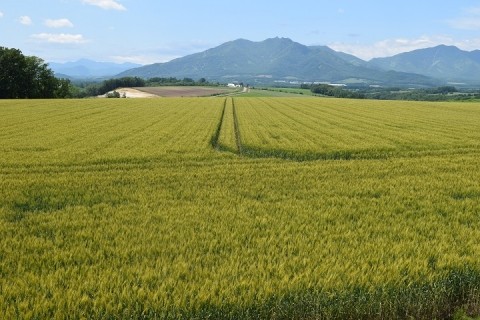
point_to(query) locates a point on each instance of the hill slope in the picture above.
(443, 62)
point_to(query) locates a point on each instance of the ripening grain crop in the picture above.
(125, 209)
(343, 129)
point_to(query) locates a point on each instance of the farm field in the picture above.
(186, 91)
(239, 208)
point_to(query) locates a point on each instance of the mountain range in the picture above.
(277, 60)
(85, 69)
(281, 60)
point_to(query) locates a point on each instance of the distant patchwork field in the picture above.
(239, 208)
(186, 91)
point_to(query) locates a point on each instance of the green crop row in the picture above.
(125, 209)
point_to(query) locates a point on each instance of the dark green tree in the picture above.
(43, 83)
(25, 77)
(65, 89)
(12, 73)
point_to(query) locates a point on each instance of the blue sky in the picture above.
(147, 31)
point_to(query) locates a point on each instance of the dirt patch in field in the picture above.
(185, 91)
(132, 93)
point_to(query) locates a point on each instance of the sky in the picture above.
(150, 31)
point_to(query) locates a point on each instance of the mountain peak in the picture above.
(278, 39)
(444, 46)
(266, 41)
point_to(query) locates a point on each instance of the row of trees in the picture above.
(172, 81)
(333, 91)
(443, 93)
(28, 77)
(111, 84)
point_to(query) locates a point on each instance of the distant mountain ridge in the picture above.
(277, 59)
(447, 63)
(85, 68)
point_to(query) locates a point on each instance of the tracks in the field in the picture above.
(231, 141)
(215, 138)
(228, 115)
(236, 126)
(228, 138)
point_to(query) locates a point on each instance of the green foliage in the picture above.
(445, 93)
(171, 81)
(442, 90)
(28, 77)
(332, 91)
(13, 73)
(112, 84)
(99, 89)
(290, 90)
(114, 94)
(64, 89)
(124, 209)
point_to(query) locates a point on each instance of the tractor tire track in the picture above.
(238, 137)
(214, 140)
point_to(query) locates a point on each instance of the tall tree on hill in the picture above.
(25, 77)
(12, 75)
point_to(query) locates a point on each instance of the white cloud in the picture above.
(58, 23)
(469, 20)
(61, 38)
(25, 20)
(390, 47)
(106, 4)
(1, 14)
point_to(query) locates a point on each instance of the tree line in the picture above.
(442, 93)
(106, 86)
(333, 91)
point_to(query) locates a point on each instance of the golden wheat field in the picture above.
(239, 208)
